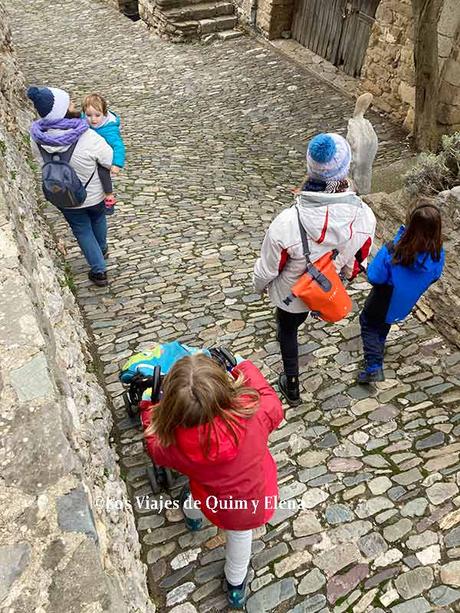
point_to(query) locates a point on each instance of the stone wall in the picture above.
(244, 9)
(274, 17)
(388, 70)
(449, 93)
(65, 544)
(129, 7)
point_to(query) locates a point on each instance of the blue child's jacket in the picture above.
(406, 284)
(110, 132)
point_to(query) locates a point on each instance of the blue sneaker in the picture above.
(371, 375)
(236, 594)
(191, 524)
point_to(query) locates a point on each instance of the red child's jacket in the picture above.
(236, 485)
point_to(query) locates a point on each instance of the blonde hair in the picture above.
(197, 391)
(97, 102)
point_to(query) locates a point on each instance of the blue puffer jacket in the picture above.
(110, 132)
(407, 283)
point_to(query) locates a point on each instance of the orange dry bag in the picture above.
(320, 286)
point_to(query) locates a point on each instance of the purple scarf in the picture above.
(72, 129)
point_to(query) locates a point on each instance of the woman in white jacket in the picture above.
(334, 217)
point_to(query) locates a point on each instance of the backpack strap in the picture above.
(92, 175)
(65, 156)
(316, 274)
(46, 155)
(304, 237)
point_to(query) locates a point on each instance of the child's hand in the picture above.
(115, 170)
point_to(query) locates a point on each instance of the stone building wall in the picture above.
(66, 544)
(449, 93)
(125, 6)
(243, 10)
(274, 17)
(388, 70)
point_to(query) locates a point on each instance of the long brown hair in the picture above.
(423, 233)
(197, 391)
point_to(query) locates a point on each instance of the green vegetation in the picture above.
(68, 280)
(435, 172)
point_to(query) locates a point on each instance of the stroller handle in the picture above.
(156, 384)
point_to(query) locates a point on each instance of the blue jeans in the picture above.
(89, 226)
(373, 334)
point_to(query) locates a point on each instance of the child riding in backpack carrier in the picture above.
(400, 273)
(213, 426)
(107, 124)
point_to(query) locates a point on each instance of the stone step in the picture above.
(165, 5)
(218, 24)
(229, 34)
(196, 12)
(197, 28)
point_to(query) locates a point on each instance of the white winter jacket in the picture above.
(91, 149)
(332, 221)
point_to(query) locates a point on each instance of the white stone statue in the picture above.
(363, 142)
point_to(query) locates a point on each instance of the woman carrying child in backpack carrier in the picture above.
(400, 273)
(213, 427)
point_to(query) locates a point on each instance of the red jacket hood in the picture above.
(192, 441)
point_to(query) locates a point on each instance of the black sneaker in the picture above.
(98, 278)
(370, 376)
(289, 387)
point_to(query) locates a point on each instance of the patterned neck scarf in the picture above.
(330, 187)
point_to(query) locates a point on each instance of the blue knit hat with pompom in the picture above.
(328, 158)
(50, 102)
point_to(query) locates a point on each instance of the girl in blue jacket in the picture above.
(107, 125)
(400, 273)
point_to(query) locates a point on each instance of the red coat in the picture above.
(244, 474)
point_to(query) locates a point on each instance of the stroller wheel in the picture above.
(128, 406)
(152, 476)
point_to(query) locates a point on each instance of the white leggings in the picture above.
(237, 548)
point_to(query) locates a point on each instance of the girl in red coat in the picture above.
(214, 428)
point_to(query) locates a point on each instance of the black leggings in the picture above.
(288, 325)
(105, 178)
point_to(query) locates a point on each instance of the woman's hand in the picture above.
(115, 170)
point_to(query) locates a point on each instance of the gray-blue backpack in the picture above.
(60, 182)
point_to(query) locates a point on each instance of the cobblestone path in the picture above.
(216, 138)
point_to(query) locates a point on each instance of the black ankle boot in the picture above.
(289, 387)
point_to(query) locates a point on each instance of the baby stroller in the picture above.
(142, 375)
